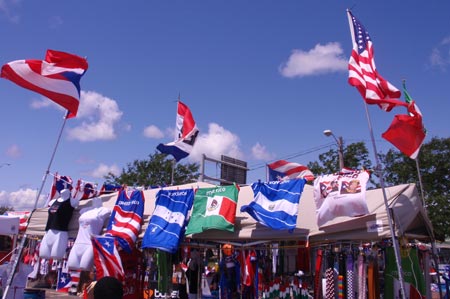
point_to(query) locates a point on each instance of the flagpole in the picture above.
(174, 162)
(386, 204)
(433, 243)
(50, 162)
(24, 237)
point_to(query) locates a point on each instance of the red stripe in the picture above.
(228, 209)
(127, 226)
(64, 100)
(296, 169)
(188, 119)
(277, 164)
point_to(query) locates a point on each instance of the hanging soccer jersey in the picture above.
(126, 218)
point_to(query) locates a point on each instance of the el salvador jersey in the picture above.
(126, 218)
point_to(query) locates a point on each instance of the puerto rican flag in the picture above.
(126, 219)
(187, 132)
(284, 170)
(67, 278)
(107, 260)
(60, 182)
(84, 190)
(57, 77)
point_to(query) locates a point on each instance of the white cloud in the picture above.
(321, 59)
(5, 9)
(13, 151)
(55, 21)
(102, 170)
(44, 102)
(260, 152)
(440, 55)
(21, 200)
(153, 132)
(102, 114)
(216, 142)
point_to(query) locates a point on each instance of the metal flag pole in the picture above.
(386, 204)
(174, 162)
(433, 240)
(24, 237)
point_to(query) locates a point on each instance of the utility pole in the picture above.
(340, 145)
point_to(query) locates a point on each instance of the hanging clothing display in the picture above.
(362, 275)
(350, 277)
(125, 222)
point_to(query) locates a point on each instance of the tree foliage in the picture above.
(356, 156)
(434, 168)
(5, 209)
(156, 171)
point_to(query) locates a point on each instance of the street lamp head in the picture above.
(327, 133)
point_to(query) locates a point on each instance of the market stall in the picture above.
(287, 252)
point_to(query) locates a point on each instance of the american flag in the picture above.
(107, 260)
(362, 71)
(284, 170)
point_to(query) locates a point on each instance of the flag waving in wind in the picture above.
(187, 132)
(107, 260)
(214, 208)
(276, 203)
(362, 71)
(284, 170)
(406, 131)
(166, 227)
(57, 77)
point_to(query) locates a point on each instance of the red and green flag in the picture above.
(406, 131)
(214, 208)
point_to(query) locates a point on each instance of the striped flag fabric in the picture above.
(214, 208)
(57, 77)
(66, 278)
(284, 170)
(107, 260)
(167, 224)
(187, 132)
(363, 73)
(60, 182)
(84, 190)
(23, 218)
(126, 219)
(275, 203)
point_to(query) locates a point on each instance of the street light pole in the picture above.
(340, 145)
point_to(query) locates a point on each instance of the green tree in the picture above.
(5, 209)
(356, 156)
(156, 171)
(434, 169)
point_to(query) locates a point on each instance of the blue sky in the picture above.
(263, 79)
